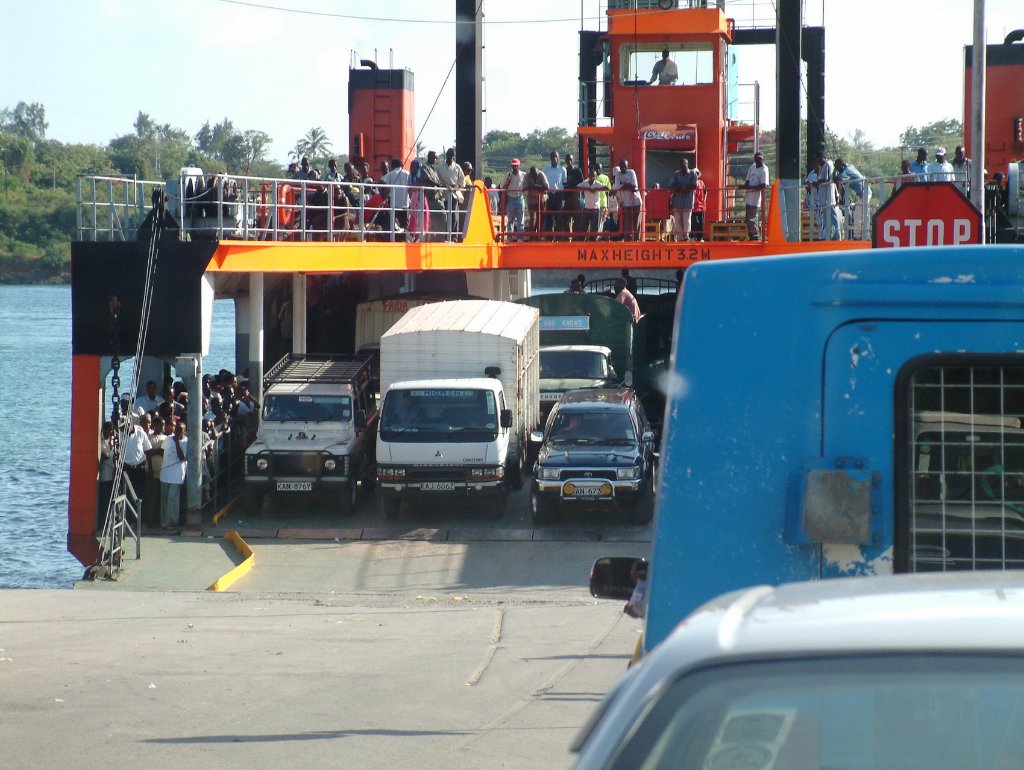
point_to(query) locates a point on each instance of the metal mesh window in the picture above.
(966, 465)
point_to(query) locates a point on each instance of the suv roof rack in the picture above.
(301, 368)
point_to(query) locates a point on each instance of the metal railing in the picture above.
(116, 525)
(223, 468)
(258, 208)
(112, 208)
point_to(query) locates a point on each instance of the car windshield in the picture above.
(291, 407)
(573, 364)
(580, 427)
(939, 712)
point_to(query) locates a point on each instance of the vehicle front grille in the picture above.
(587, 473)
(417, 475)
(304, 464)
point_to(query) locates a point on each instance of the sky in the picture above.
(281, 66)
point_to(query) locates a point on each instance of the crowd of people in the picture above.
(427, 202)
(155, 444)
(561, 201)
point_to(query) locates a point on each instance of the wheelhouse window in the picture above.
(692, 63)
(963, 469)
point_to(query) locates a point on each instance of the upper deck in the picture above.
(288, 225)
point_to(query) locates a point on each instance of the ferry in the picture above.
(151, 257)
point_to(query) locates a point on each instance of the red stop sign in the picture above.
(926, 214)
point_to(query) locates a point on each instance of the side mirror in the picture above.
(506, 418)
(537, 437)
(360, 419)
(628, 380)
(647, 436)
(609, 577)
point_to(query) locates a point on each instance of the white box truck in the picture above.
(461, 395)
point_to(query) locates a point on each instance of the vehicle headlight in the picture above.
(548, 473)
(627, 473)
(330, 465)
(262, 464)
(487, 474)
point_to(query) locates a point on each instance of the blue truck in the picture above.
(838, 414)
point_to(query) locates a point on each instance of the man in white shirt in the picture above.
(940, 170)
(150, 401)
(454, 178)
(755, 184)
(592, 191)
(136, 444)
(628, 190)
(665, 70)
(556, 176)
(172, 477)
(514, 186)
(398, 195)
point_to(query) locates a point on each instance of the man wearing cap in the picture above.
(940, 170)
(755, 184)
(514, 186)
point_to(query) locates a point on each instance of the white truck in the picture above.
(317, 431)
(461, 395)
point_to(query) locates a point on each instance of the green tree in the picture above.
(314, 145)
(946, 133)
(27, 121)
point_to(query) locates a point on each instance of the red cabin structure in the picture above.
(656, 120)
(381, 111)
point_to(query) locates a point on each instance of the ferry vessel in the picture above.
(151, 257)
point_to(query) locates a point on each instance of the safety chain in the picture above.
(114, 305)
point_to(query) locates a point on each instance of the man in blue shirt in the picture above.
(849, 180)
(920, 166)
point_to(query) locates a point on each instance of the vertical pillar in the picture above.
(469, 57)
(814, 55)
(256, 335)
(787, 104)
(298, 313)
(977, 148)
(86, 418)
(190, 368)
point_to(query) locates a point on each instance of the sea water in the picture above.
(35, 429)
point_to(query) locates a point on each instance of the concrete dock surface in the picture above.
(407, 653)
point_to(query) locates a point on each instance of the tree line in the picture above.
(38, 197)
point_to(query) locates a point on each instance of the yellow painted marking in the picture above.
(248, 561)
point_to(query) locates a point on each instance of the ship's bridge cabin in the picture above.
(658, 109)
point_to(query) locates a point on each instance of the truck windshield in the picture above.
(441, 412)
(573, 364)
(291, 407)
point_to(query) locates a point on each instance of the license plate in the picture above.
(585, 490)
(437, 486)
(295, 486)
